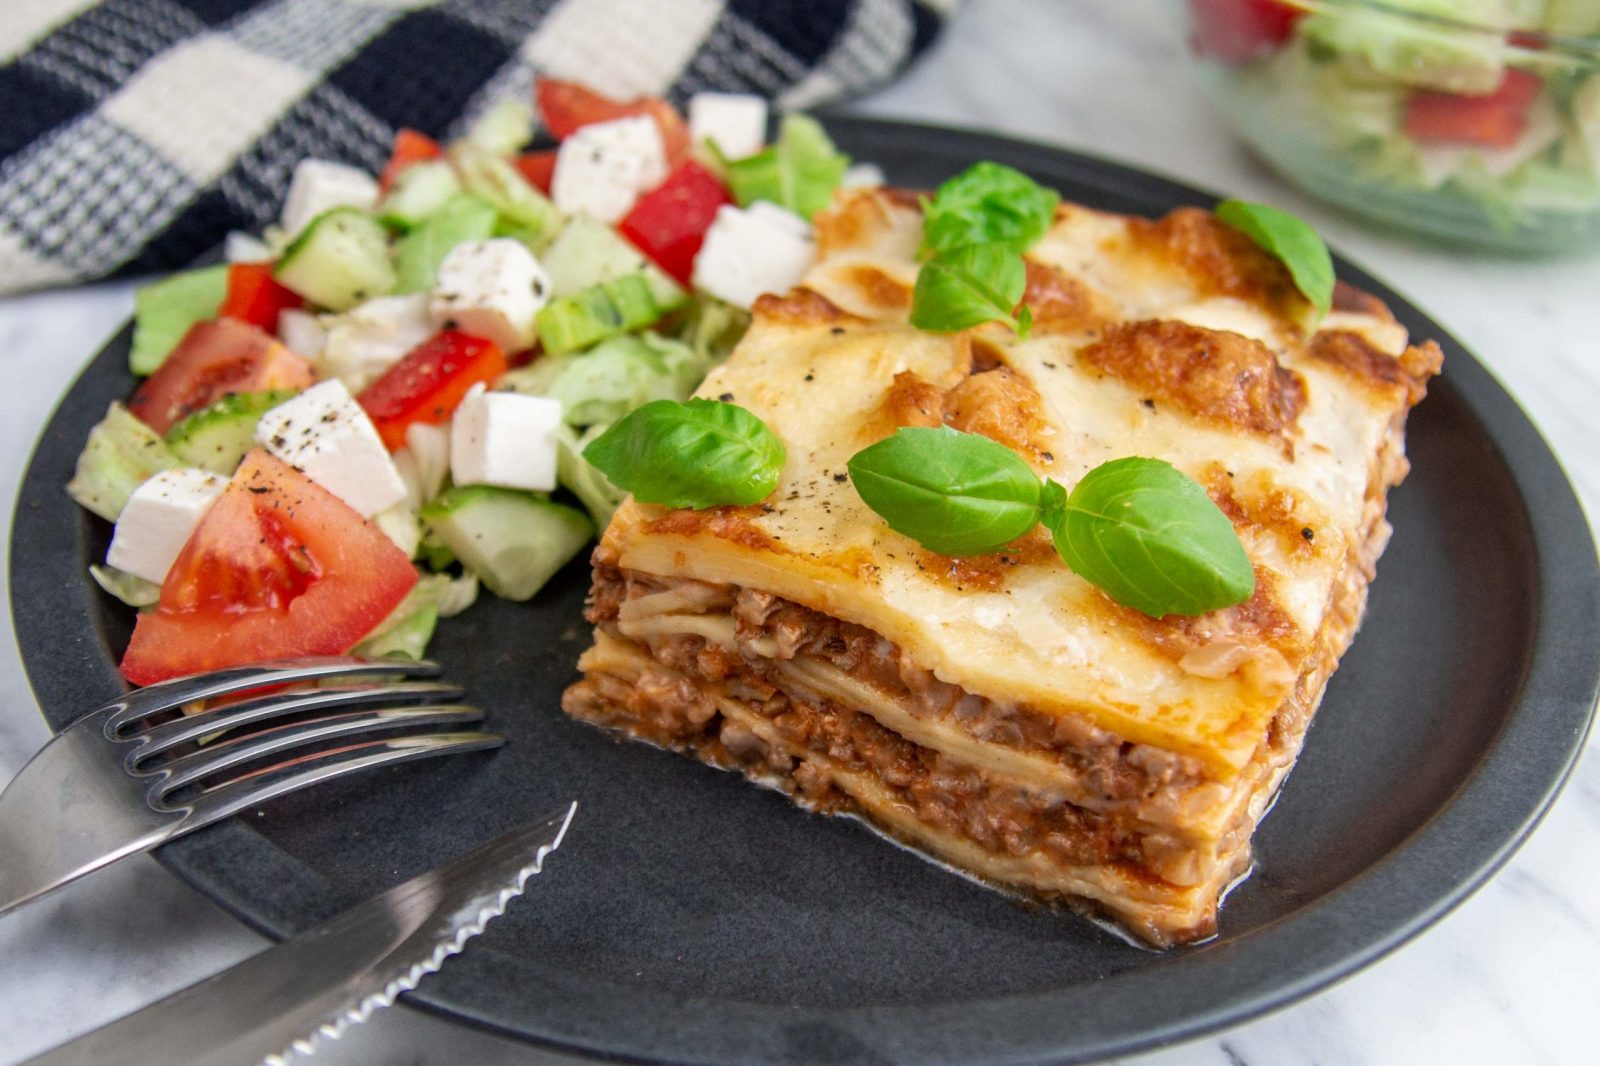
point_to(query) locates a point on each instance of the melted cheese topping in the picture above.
(821, 367)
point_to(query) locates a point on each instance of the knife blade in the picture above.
(312, 987)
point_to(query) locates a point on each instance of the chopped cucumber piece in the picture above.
(418, 254)
(799, 171)
(588, 252)
(504, 129)
(121, 455)
(131, 589)
(164, 310)
(713, 327)
(340, 259)
(433, 552)
(525, 212)
(419, 191)
(579, 477)
(401, 525)
(600, 311)
(514, 541)
(215, 438)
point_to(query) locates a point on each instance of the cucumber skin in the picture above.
(216, 438)
(514, 541)
(370, 274)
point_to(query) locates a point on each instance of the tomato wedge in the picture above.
(1491, 120)
(669, 222)
(429, 382)
(566, 106)
(215, 358)
(539, 168)
(1237, 31)
(410, 146)
(278, 567)
(255, 297)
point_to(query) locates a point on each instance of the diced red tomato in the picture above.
(566, 106)
(278, 567)
(1237, 31)
(254, 296)
(215, 358)
(669, 223)
(1492, 120)
(429, 382)
(539, 168)
(410, 146)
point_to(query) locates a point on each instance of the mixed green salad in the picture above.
(1490, 104)
(383, 402)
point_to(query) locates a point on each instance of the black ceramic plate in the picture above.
(693, 918)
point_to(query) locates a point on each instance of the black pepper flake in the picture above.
(278, 440)
(726, 397)
(837, 330)
(841, 478)
(1047, 363)
(1048, 457)
(810, 377)
(1309, 534)
(1149, 403)
(258, 489)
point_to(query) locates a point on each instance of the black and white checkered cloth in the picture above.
(135, 133)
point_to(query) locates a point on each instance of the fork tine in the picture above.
(159, 738)
(235, 751)
(292, 775)
(167, 695)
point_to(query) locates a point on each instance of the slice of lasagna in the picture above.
(998, 712)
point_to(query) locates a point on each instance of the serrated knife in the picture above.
(281, 1002)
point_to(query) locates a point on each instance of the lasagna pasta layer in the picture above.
(998, 712)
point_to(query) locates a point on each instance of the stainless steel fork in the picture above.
(135, 773)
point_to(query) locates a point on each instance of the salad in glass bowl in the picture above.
(1474, 120)
(385, 400)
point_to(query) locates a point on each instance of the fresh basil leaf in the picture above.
(954, 493)
(698, 454)
(799, 171)
(968, 286)
(1149, 537)
(988, 202)
(1294, 243)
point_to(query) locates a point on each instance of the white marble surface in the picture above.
(1510, 977)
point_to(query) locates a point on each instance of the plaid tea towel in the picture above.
(135, 133)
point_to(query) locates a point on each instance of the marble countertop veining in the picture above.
(1509, 977)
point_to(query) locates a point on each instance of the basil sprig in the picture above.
(956, 493)
(1138, 529)
(698, 454)
(1294, 243)
(988, 202)
(970, 285)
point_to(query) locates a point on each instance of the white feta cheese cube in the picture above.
(371, 337)
(602, 168)
(863, 175)
(491, 289)
(319, 185)
(325, 433)
(158, 519)
(751, 251)
(505, 439)
(424, 461)
(737, 122)
(240, 247)
(302, 332)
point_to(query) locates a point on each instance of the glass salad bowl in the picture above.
(1474, 120)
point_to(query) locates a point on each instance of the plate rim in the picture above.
(1401, 895)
